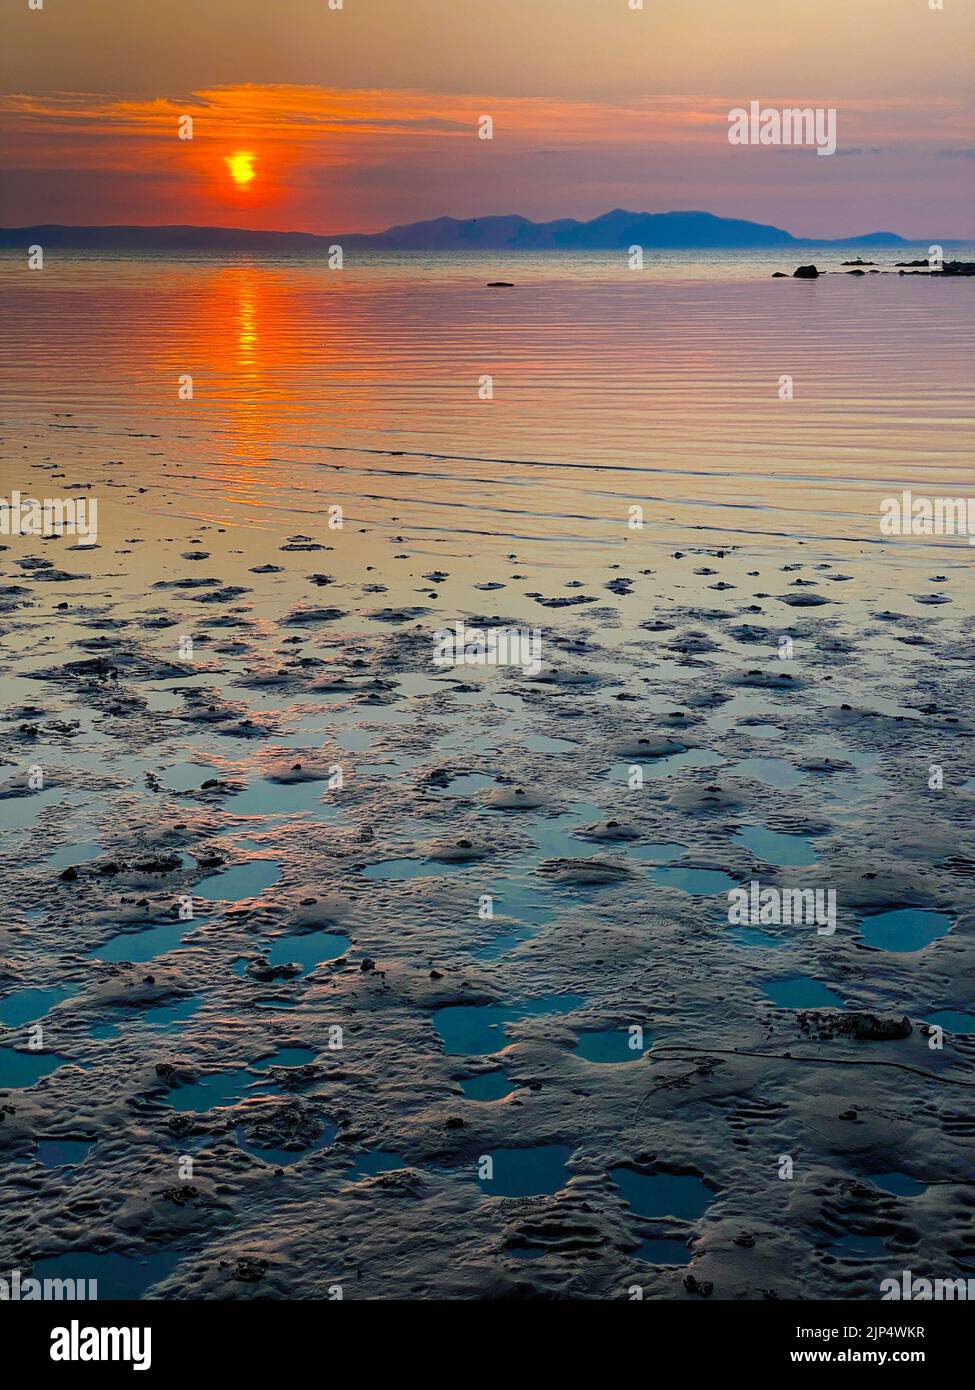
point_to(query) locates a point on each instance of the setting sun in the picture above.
(241, 166)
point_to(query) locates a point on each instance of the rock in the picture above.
(266, 973)
(803, 600)
(500, 285)
(513, 799)
(805, 272)
(864, 1027)
(457, 852)
(439, 777)
(870, 1028)
(702, 1287)
(248, 1270)
(583, 871)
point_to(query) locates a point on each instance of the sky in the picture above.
(313, 118)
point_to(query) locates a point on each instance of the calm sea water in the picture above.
(610, 386)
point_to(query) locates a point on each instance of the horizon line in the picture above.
(450, 217)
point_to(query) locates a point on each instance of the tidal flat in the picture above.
(321, 965)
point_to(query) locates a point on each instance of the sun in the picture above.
(241, 166)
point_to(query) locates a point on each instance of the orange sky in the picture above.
(366, 116)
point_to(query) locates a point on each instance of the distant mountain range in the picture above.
(613, 231)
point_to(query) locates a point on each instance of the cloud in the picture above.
(362, 158)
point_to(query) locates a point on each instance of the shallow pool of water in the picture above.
(680, 1195)
(360, 740)
(263, 797)
(17, 812)
(773, 772)
(542, 743)
(504, 943)
(367, 1165)
(524, 901)
(18, 1069)
(187, 777)
(118, 1276)
(906, 929)
(952, 1021)
(489, 1086)
(308, 950)
(82, 852)
(479, 1028)
(216, 1089)
(166, 1017)
(287, 1057)
(553, 835)
(775, 848)
(401, 869)
(898, 1184)
(802, 992)
(667, 766)
(247, 880)
(63, 1153)
(465, 783)
(150, 941)
(26, 1005)
(609, 1045)
(527, 1172)
(702, 883)
(656, 853)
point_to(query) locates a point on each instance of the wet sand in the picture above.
(340, 1033)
